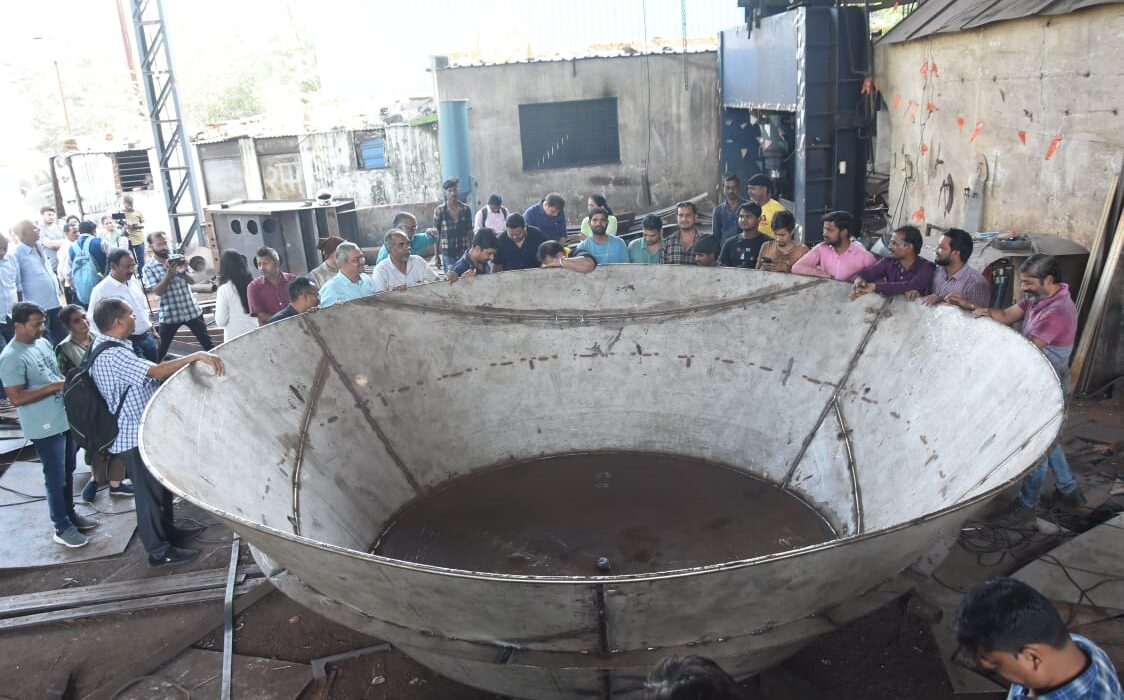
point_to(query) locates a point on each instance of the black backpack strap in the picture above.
(88, 364)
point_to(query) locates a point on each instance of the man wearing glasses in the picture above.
(903, 271)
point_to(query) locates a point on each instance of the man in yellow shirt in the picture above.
(761, 192)
(134, 226)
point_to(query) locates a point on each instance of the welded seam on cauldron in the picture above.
(836, 391)
(321, 378)
(603, 639)
(361, 404)
(512, 315)
(856, 489)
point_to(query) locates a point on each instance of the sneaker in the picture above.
(174, 555)
(1016, 517)
(70, 537)
(184, 534)
(83, 522)
(122, 490)
(1073, 499)
(90, 491)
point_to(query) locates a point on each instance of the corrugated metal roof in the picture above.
(943, 16)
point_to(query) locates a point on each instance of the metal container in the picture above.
(876, 412)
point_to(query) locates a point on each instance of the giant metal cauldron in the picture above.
(894, 421)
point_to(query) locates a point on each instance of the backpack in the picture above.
(93, 424)
(84, 270)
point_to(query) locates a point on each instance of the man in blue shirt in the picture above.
(351, 282)
(605, 248)
(9, 288)
(30, 374)
(724, 221)
(1014, 631)
(128, 381)
(303, 295)
(39, 284)
(549, 216)
(477, 260)
(423, 244)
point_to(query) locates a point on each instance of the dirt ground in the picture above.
(887, 654)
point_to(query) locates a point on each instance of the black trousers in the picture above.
(153, 503)
(168, 332)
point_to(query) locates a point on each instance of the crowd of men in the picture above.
(117, 346)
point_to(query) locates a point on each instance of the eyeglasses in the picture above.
(895, 243)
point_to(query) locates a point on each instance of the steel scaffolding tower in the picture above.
(173, 150)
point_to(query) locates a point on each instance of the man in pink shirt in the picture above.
(838, 256)
(269, 293)
(1049, 319)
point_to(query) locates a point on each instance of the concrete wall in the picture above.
(1045, 76)
(413, 172)
(683, 128)
(1026, 81)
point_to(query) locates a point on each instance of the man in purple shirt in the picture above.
(954, 282)
(838, 256)
(903, 271)
(1049, 319)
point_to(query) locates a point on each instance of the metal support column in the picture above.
(172, 148)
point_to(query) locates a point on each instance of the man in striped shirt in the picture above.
(954, 282)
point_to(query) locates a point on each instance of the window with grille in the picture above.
(370, 151)
(569, 134)
(132, 170)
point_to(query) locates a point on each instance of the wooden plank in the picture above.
(44, 601)
(1100, 301)
(123, 606)
(188, 636)
(1086, 570)
(1093, 266)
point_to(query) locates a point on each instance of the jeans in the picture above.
(138, 253)
(56, 333)
(447, 262)
(57, 453)
(154, 506)
(1063, 478)
(144, 345)
(168, 331)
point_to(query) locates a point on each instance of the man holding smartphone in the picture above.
(167, 276)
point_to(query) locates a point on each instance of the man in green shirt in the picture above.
(646, 249)
(30, 374)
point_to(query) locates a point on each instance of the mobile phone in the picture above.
(767, 261)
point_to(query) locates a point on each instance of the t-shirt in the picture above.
(613, 250)
(638, 253)
(1053, 320)
(465, 263)
(524, 257)
(287, 312)
(740, 251)
(34, 366)
(768, 211)
(266, 297)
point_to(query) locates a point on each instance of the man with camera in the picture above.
(167, 276)
(128, 381)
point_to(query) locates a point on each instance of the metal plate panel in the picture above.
(759, 67)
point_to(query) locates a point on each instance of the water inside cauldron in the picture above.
(599, 513)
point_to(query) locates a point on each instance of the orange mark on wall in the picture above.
(924, 149)
(931, 107)
(976, 131)
(960, 122)
(925, 70)
(897, 101)
(1022, 136)
(1053, 147)
(919, 215)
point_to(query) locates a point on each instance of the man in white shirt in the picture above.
(401, 269)
(121, 283)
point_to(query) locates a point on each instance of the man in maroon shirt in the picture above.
(1049, 319)
(269, 293)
